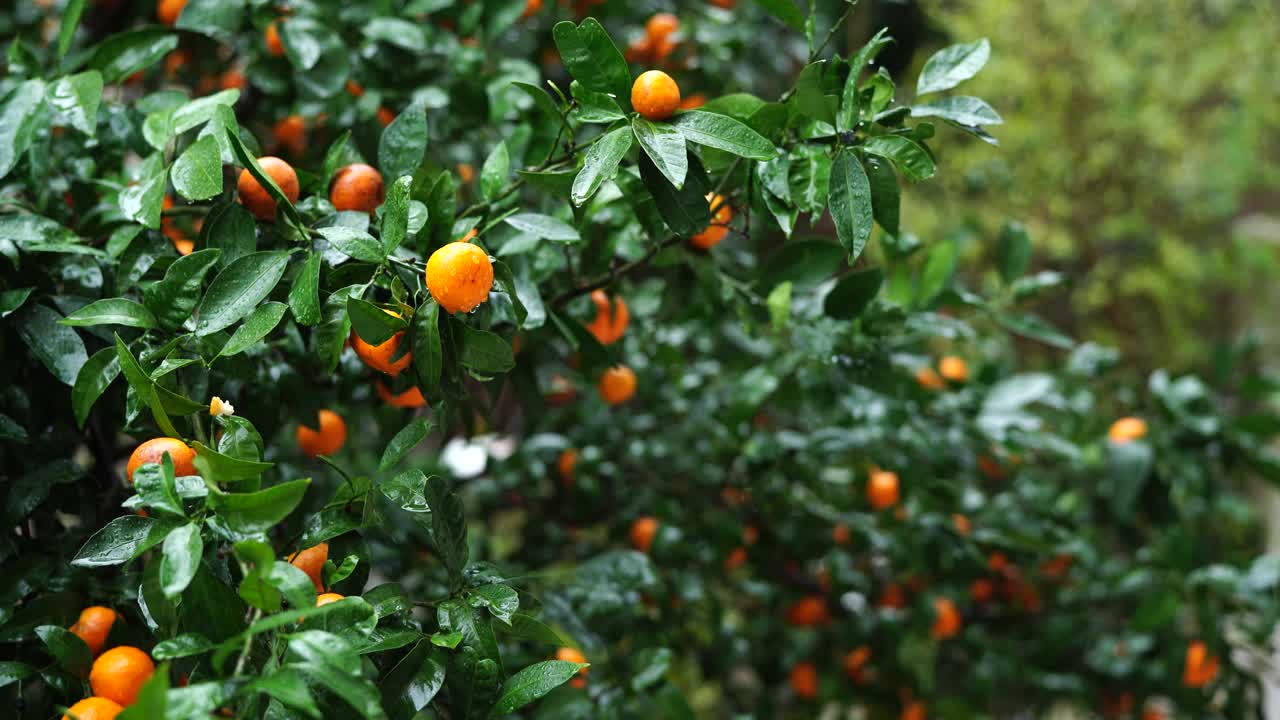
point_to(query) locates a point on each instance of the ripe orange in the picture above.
(961, 524)
(1127, 429)
(997, 562)
(804, 680)
(379, 357)
(357, 187)
(946, 622)
(233, 79)
(327, 598)
(808, 611)
(1201, 667)
(167, 11)
(290, 133)
(990, 467)
(840, 535)
(153, 450)
(94, 708)
(175, 61)
(275, 47)
(565, 464)
(954, 369)
(655, 95)
(892, 597)
(856, 660)
(929, 379)
(882, 489)
(722, 213)
(726, 4)
(660, 25)
(750, 535)
(611, 320)
(531, 7)
(574, 655)
(982, 590)
(466, 173)
(914, 710)
(1056, 567)
(693, 102)
(617, 384)
(639, 50)
(311, 561)
(328, 439)
(255, 198)
(93, 626)
(386, 115)
(354, 88)
(459, 276)
(119, 673)
(736, 559)
(643, 530)
(410, 399)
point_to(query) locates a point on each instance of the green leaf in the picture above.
(501, 600)
(686, 211)
(649, 666)
(304, 296)
(404, 441)
(665, 146)
(786, 11)
(938, 269)
(231, 229)
(138, 378)
(594, 107)
(485, 352)
(121, 540)
(11, 300)
(67, 648)
(144, 201)
(723, 133)
(960, 109)
(414, 681)
(804, 263)
(185, 645)
(216, 18)
(395, 214)
(953, 65)
(257, 326)
(75, 98)
(527, 627)
(373, 324)
(849, 108)
(183, 548)
(354, 243)
(259, 511)
(67, 26)
(94, 377)
(428, 356)
(174, 298)
(885, 195)
(1128, 466)
(403, 142)
(1014, 251)
(850, 198)
(507, 281)
(810, 99)
(111, 311)
(1035, 327)
(590, 56)
(493, 176)
(17, 122)
(910, 158)
(407, 490)
(157, 487)
(57, 347)
(197, 174)
(238, 289)
(600, 162)
(534, 682)
(448, 527)
(853, 293)
(123, 54)
(220, 468)
(544, 226)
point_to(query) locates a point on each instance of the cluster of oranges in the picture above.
(951, 369)
(116, 675)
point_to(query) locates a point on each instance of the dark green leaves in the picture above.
(197, 174)
(493, 176)
(533, 682)
(428, 356)
(544, 226)
(664, 146)
(786, 11)
(723, 133)
(853, 293)
(304, 296)
(373, 324)
(600, 163)
(111, 311)
(257, 326)
(75, 98)
(174, 298)
(910, 158)
(592, 59)
(685, 210)
(1014, 251)
(354, 243)
(960, 109)
(121, 55)
(183, 549)
(953, 65)
(448, 527)
(238, 289)
(404, 441)
(485, 352)
(123, 539)
(57, 347)
(258, 511)
(68, 649)
(92, 380)
(885, 195)
(395, 214)
(850, 200)
(403, 142)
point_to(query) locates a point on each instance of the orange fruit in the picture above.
(736, 559)
(233, 80)
(655, 95)
(611, 320)
(643, 530)
(808, 611)
(726, 4)
(94, 708)
(954, 369)
(255, 197)
(804, 680)
(914, 710)
(328, 439)
(617, 384)
(660, 25)
(459, 276)
(311, 561)
(153, 450)
(386, 115)
(409, 399)
(574, 655)
(882, 489)
(982, 590)
(380, 357)
(892, 597)
(639, 50)
(275, 47)
(693, 102)
(327, 598)
(1127, 429)
(840, 535)
(170, 229)
(997, 561)
(531, 7)
(565, 464)
(722, 213)
(929, 379)
(167, 11)
(1115, 706)
(290, 133)
(354, 88)
(946, 622)
(750, 534)
(466, 172)
(1201, 667)
(961, 524)
(93, 626)
(662, 49)
(175, 61)
(855, 660)
(357, 187)
(119, 673)
(990, 467)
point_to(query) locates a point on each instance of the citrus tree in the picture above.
(454, 360)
